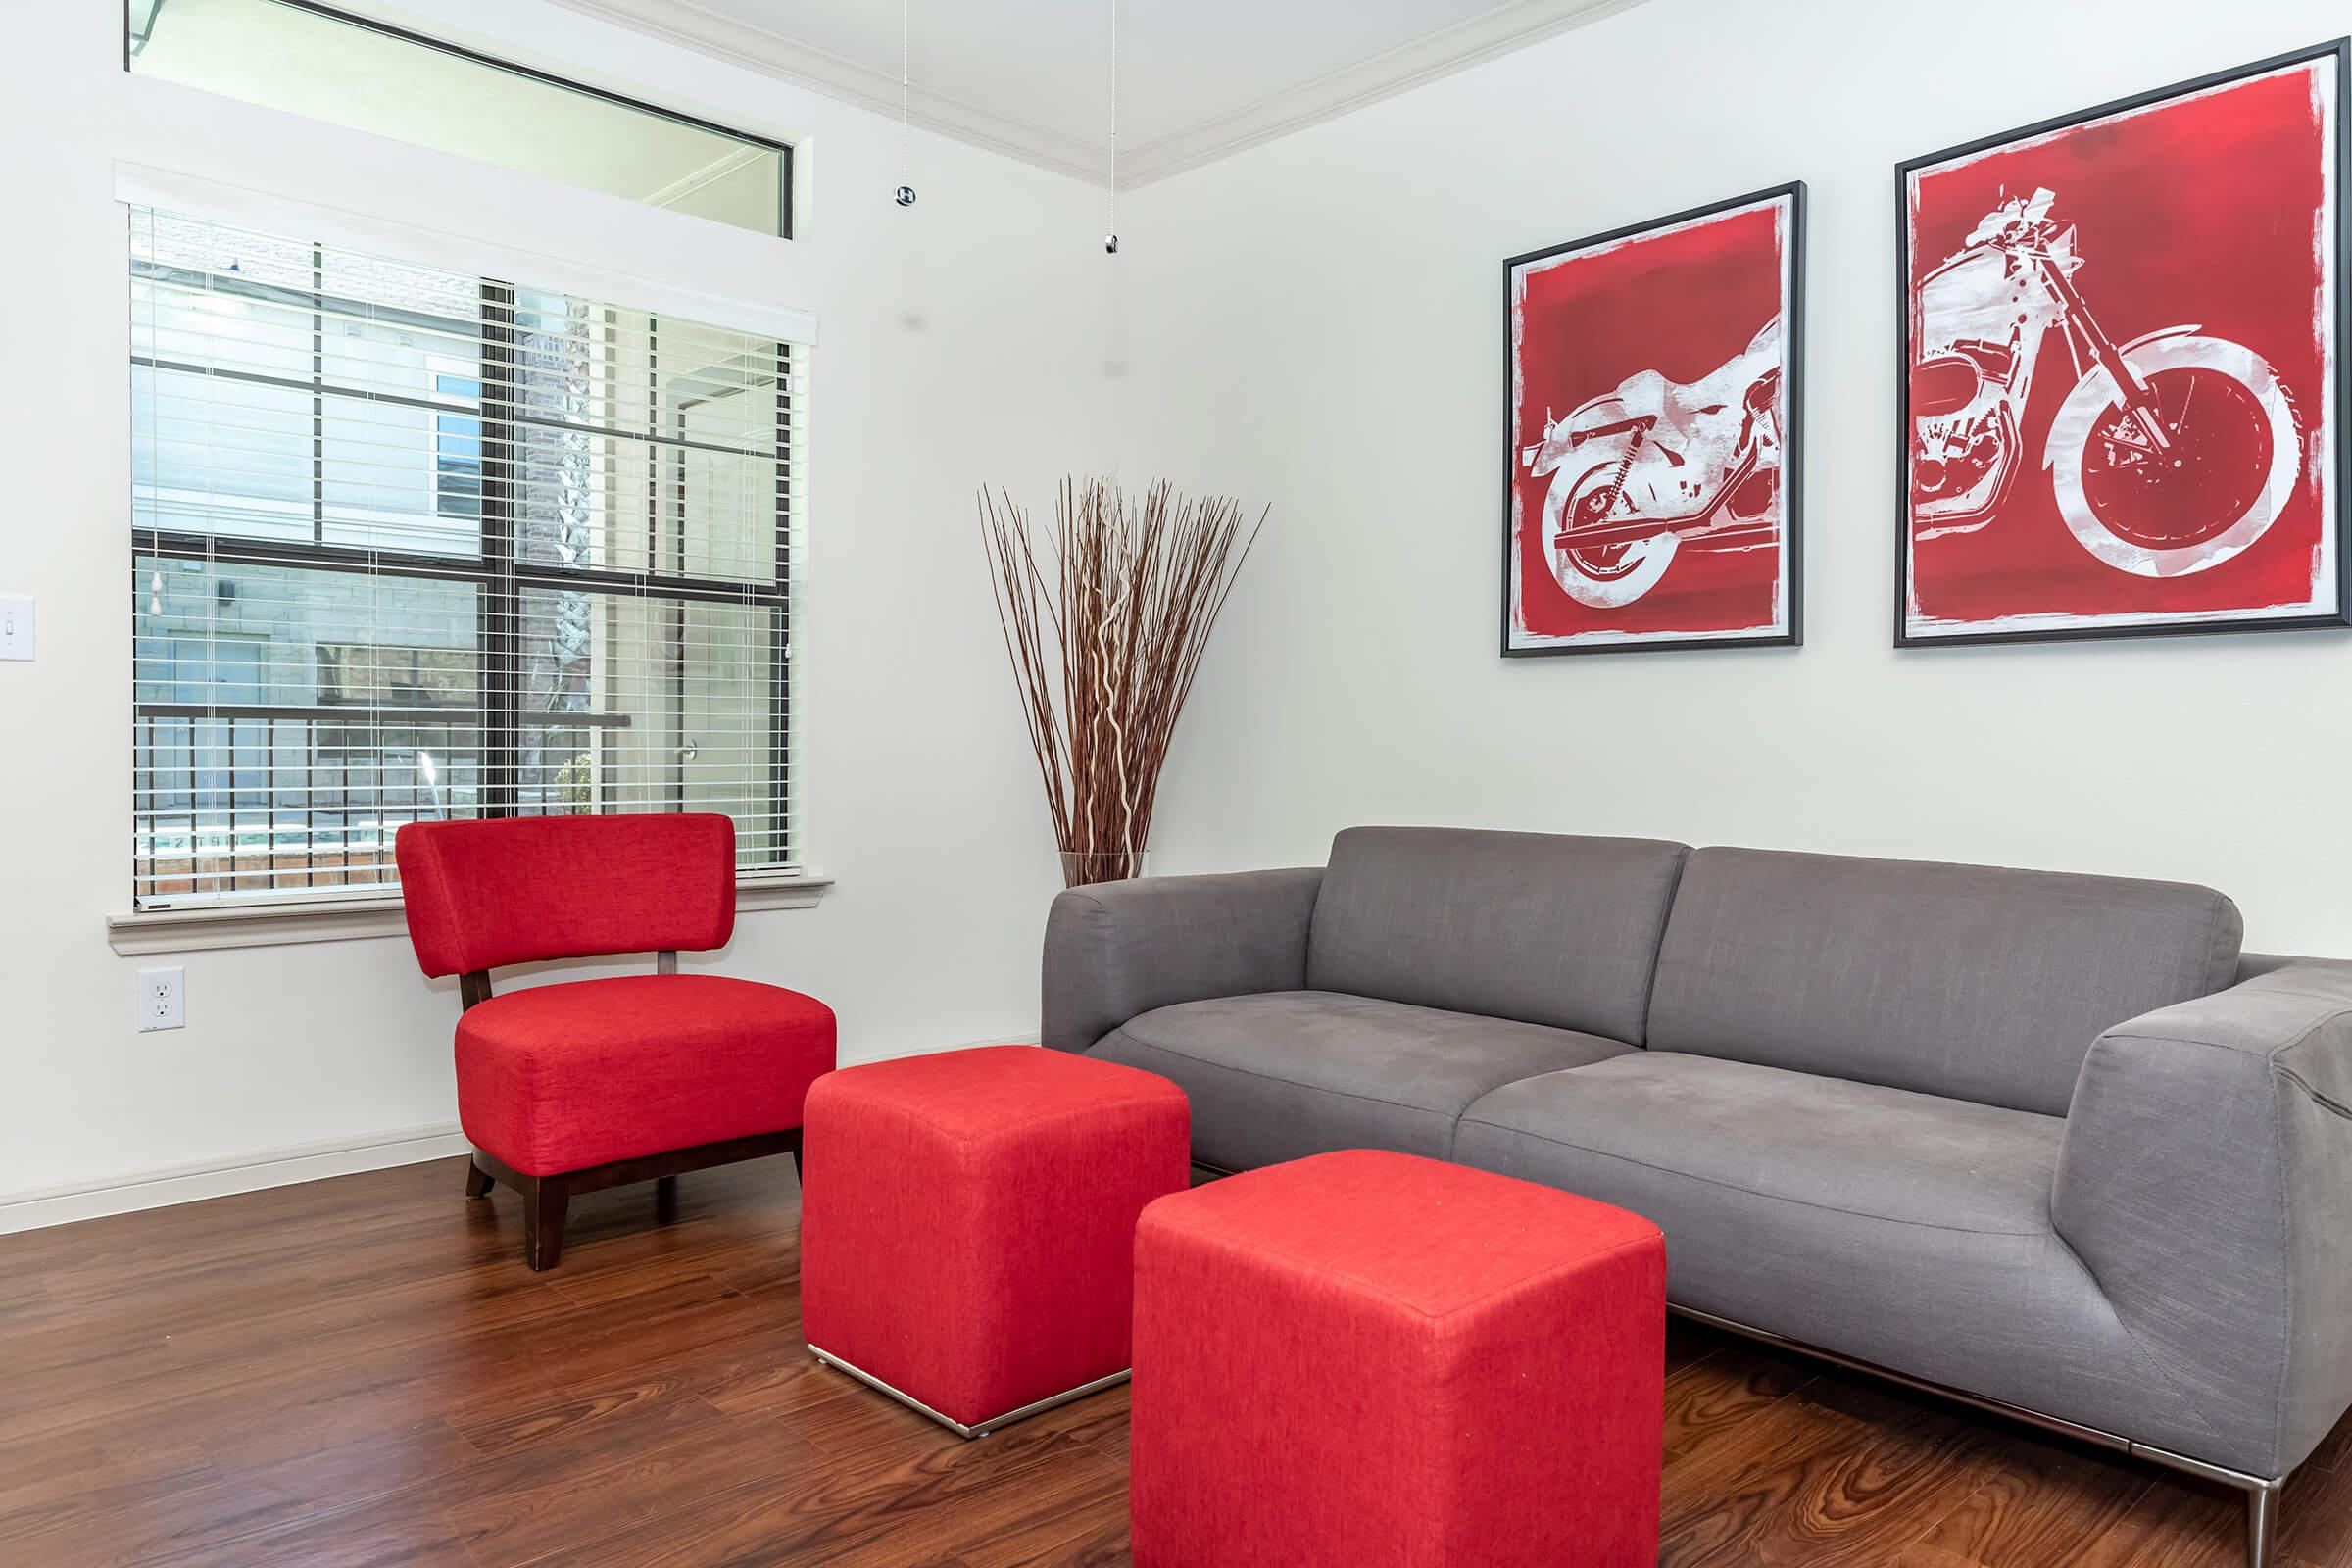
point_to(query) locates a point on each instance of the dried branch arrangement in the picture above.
(1105, 625)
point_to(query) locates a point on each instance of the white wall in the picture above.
(961, 342)
(1318, 323)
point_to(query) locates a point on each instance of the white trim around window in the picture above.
(282, 921)
(247, 207)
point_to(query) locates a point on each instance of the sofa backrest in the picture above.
(1967, 981)
(1532, 926)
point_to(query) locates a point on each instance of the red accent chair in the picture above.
(588, 1084)
(1368, 1357)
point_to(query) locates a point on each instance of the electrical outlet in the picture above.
(163, 998)
(16, 626)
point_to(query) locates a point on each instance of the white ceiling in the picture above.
(1197, 78)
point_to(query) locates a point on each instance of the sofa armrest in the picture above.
(1115, 950)
(2205, 1178)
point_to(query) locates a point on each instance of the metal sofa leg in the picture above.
(2262, 1522)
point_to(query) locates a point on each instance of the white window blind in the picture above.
(411, 544)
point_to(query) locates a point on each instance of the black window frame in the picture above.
(500, 578)
(133, 40)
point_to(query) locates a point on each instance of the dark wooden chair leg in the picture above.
(798, 1174)
(665, 1197)
(544, 1207)
(547, 1200)
(477, 1182)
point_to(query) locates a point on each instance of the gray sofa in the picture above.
(2047, 1141)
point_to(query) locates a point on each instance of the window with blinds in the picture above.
(410, 545)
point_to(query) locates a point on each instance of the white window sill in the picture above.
(264, 925)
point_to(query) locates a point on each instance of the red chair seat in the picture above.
(558, 1078)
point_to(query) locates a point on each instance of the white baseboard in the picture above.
(218, 1178)
(938, 1048)
(39, 1207)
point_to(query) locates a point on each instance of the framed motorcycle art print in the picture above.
(1653, 391)
(2123, 374)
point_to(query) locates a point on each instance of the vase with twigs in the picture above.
(1106, 618)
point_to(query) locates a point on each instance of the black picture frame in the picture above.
(1793, 443)
(2340, 309)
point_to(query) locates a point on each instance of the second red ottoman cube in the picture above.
(967, 1223)
(1377, 1358)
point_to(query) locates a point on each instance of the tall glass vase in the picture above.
(1081, 866)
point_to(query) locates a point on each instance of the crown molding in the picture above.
(787, 58)
(1512, 25)
(1508, 27)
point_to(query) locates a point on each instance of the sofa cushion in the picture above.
(1290, 1073)
(1904, 1229)
(1961, 980)
(1532, 926)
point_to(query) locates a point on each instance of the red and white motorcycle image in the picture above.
(1641, 469)
(2173, 453)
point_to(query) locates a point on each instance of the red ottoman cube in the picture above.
(1377, 1358)
(967, 1223)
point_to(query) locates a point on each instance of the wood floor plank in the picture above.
(201, 1520)
(1707, 1394)
(1007, 1527)
(2040, 1502)
(2315, 1518)
(1106, 1546)
(61, 1483)
(755, 1379)
(360, 1372)
(917, 1491)
(1100, 1420)
(2184, 1524)
(351, 1471)
(664, 1486)
(645, 1410)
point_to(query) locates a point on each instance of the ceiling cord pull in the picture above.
(904, 194)
(1110, 241)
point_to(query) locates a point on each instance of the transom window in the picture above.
(331, 65)
(408, 544)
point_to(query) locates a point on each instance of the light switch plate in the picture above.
(16, 626)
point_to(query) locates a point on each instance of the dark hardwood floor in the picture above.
(362, 1372)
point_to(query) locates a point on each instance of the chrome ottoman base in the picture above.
(979, 1429)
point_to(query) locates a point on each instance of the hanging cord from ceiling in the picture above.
(1110, 241)
(904, 194)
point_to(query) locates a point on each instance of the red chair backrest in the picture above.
(520, 889)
